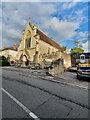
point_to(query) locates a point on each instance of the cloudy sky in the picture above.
(64, 22)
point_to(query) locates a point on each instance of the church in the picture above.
(37, 47)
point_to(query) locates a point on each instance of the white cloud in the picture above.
(69, 5)
(85, 47)
(10, 33)
(45, 0)
(21, 0)
(63, 29)
(15, 16)
(79, 12)
(83, 34)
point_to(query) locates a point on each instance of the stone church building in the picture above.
(36, 47)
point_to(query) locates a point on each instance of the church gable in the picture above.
(31, 30)
(28, 31)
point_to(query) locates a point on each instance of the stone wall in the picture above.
(56, 68)
(66, 60)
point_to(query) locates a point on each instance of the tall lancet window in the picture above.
(28, 43)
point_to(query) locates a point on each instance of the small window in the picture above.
(82, 57)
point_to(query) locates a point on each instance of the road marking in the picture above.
(31, 114)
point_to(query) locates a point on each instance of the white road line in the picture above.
(21, 105)
(33, 115)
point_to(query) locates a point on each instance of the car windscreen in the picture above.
(84, 68)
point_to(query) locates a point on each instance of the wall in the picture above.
(56, 68)
(10, 53)
(44, 47)
(67, 59)
(5, 53)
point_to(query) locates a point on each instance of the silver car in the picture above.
(83, 72)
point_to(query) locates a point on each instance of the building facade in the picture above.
(10, 53)
(83, 58)
(36, 47)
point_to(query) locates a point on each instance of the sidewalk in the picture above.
(71, 77)
(67, 78)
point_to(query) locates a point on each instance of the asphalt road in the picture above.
(25, 95)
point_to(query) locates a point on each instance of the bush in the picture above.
(3, 58)
(4, 63)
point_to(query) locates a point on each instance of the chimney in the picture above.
(14, 47)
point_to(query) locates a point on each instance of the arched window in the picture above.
(82, 58)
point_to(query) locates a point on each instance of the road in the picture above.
(30, 94)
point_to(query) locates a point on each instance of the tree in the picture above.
(76, 42)
(76, 50)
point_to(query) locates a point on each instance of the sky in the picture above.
(63, 22)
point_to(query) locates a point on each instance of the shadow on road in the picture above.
(84, 79)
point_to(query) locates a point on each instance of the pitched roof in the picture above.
(11, 48)
(48, 40)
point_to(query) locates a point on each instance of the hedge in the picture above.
(4, 63)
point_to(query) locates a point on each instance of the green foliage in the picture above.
(4, 61)
(76, 50)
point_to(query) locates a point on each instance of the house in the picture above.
(83, 58)
(37, 47)
(10, 53)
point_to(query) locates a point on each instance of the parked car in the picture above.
(73, 68)
(83, 72)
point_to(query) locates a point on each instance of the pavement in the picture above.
(68, 78)
(44, 96)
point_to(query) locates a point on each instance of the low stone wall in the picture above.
(56, 68)
(67, 60)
